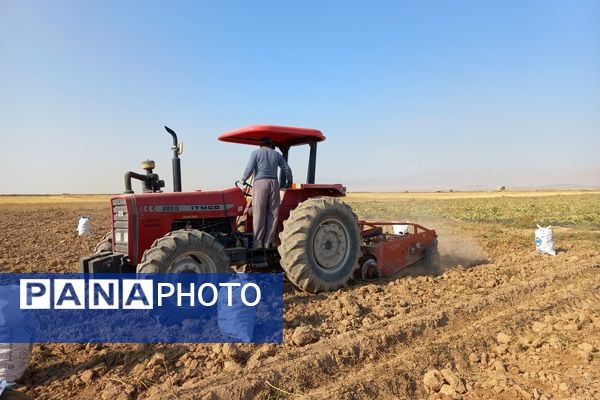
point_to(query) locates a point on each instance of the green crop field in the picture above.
(515, 209)
(518, 211)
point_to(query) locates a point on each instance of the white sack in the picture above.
(236, 321)
(400, 229)
(544, 240)
(84, 227)
(14, 359)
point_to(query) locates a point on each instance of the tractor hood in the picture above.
(138, 219)
(204, 204)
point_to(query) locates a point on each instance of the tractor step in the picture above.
(105, 262)
(260, 265)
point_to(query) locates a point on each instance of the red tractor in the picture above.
(322, 242)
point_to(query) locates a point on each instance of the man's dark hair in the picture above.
(266, 141)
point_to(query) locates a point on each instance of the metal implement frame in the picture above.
(394, 252)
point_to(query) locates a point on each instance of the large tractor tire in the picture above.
(320, 244)
(105, 244)
(185, 251)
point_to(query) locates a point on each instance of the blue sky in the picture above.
(412, 95)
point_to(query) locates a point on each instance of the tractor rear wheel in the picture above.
(320, 244)
(185, 251)
(105, 244)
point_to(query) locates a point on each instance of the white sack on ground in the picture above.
(84, 227)
(544, 240)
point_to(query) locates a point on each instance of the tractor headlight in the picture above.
(121, 236)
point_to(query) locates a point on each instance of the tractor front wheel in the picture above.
(185, 251)
(320, 244)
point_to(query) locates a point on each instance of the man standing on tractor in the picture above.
(263, 164)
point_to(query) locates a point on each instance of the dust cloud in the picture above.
(460, 250)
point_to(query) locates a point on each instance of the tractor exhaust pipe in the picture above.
(177, 150)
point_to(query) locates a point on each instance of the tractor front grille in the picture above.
(121, 231)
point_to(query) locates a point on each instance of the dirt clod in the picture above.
(304, 335)
(447, 390)
(87, 376)
(232, 352)
(433, 380)
(503, 338)
(453, 380)
(586, 347)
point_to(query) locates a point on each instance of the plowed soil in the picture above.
(501, 322)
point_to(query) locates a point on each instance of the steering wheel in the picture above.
(245, 189)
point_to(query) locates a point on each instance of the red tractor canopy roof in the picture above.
(282, 136)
